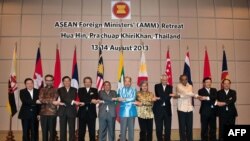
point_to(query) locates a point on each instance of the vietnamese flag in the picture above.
(57, 70)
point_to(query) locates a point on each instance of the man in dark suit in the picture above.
(208, 110)
(67, 112)
(29, 111)
(87, 112)
(227, 112)
(162, 109)
(107, 113)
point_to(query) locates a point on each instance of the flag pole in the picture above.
(56, 133)
(10, 136)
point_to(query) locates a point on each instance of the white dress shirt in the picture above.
(31, 93)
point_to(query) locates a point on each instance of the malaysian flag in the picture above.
(100, 72)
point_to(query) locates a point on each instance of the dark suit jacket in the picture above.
(164, 97)
(29, 107)
(67, 98)
(107, 98)
(230, 100)
(89, 109)
(207, 106)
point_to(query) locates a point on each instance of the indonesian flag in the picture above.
(206, 72)
(169, 69)
(38, 74)
(57, 70)
(12, 87)
(143, 74)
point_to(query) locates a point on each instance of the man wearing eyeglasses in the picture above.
(48, 100)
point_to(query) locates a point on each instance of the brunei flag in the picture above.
(121, 75)
(143, 74)
(12, 86)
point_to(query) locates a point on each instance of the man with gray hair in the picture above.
(162, 109)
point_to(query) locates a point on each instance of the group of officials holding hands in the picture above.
(68, 103)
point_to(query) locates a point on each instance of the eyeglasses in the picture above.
(49, 80)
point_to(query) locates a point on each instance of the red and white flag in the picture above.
(169, 74)
(206, 72)
(57, 70)
(169, 69)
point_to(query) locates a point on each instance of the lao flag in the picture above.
(75, 78)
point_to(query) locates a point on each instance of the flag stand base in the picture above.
(10, 136)
(76, 135)
(56, 138)
(97, 136)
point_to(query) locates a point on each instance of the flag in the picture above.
(121, 75)
(57, 70)
(206, 72)
(143, 74)
(169, 75)
(75, 78)
(187, 70)
(38, 74)
(169, 69)
(100, 72)
(224, 73)
(11, 106)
